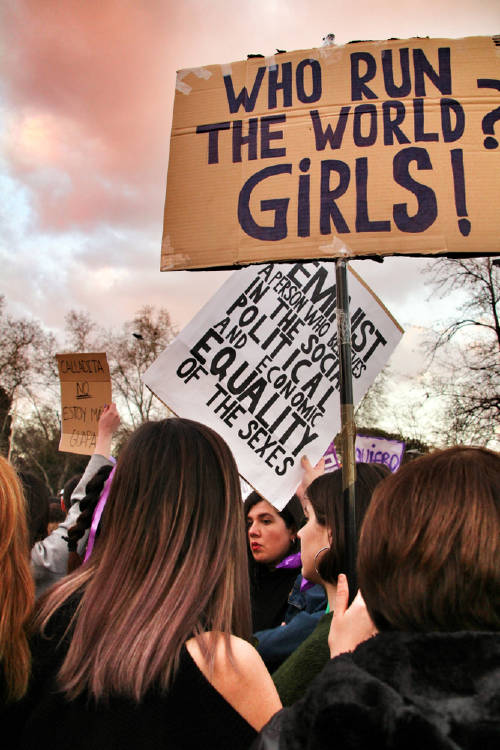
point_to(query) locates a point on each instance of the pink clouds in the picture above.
(97, 64)
(90, 90)
(87, 87)
(87, 92)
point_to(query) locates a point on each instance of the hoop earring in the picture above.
(316, 557)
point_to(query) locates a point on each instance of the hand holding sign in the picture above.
(310, 474)
(109, 421)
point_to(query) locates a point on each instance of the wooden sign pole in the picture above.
(348, 427)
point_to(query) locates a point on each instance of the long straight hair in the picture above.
(169, 564)
(17, 590)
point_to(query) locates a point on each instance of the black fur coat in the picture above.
(402, 691)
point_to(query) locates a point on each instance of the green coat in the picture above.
(292, 678)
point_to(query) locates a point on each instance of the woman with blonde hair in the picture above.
(144, 644)
(17, 592)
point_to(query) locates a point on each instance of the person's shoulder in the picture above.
(232, 655)
(245, 655)
(239, 675)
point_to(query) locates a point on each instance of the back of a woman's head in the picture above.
(37, 497)
(168, 563)
(326, 497)
(175, 495)
(68, 489)
(16, 584)
(429, 553)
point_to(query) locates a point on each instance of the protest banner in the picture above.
(260, 364)
(369, 450)
(371, 148)
(379, 450)
(85, 390)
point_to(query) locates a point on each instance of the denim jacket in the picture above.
(305, 609)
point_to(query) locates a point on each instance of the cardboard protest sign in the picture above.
(260, 364)
(370, 148)
(85, 390)
(379, 450)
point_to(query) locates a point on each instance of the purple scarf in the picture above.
(294, 561)
(97, 514)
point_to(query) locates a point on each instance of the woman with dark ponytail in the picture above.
(49, 557)
(88, 504)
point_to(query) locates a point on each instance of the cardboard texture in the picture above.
(372, 148)
(85, 390)
(259, 364)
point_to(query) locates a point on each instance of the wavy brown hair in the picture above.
(429, 552)
(17, 590)
(169, 564)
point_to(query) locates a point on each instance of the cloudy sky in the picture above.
(86, 99)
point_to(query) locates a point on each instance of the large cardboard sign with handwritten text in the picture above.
(370, 148)
(260, 364)
(85, 390)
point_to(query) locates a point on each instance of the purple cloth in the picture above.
(292, 561)
(295, 561)
(305, 584)
(97, 514)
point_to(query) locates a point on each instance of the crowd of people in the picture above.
(163, 610)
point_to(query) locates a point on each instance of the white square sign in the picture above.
(260, 365)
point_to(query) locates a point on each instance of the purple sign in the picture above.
(378, 450)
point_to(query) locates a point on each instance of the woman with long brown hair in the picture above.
(17, 591)
(143, 645)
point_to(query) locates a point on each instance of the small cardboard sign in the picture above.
(85, 390)
(371, 148)
(260, 365)
(379, 450)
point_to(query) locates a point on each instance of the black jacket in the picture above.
(403, 691)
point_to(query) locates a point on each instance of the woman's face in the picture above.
(313, 537)
(268, 534)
